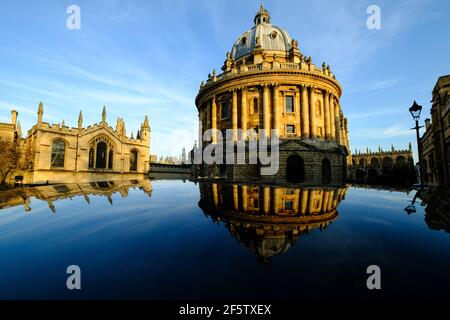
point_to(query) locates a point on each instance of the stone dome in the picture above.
(263, 36)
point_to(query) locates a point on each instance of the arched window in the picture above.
(295, 169)
(387, 162)
(326, 170)
(374, 162)
(362, 162)
(133, 160)
(58, 154)
(100, 162)
(400, 161)
(318, 109)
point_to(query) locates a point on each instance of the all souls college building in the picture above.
(267, 83)
(56, 153)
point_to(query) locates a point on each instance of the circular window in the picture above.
(273, 35)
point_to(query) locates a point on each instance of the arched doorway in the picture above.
(326, 170)
(133, 160)
(100, 162)
(295, 169)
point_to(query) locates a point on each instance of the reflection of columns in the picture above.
(326, 98)
(332, 118)
(235, 116)
(276, 109)
(244, 113)
(312, 111)
(244, 199)
(305, 112)
(236, 197)
(325, 195)
(266, 110)
(304, 205)
(311, 202)
(266, 200)
(276, 200)
(214, 119)
(298, 131)
(330, 200)
(215, 196)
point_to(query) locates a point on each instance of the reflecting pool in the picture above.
(177, 239)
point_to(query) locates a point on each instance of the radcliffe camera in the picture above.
(225, 159)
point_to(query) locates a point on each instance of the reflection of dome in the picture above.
(268, 220)
(262, 36)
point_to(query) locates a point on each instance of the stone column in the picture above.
(235, 116)
(215, 195)
(266, 110)
(338, 123)
(326, 101)
(298, 131)
(305, 112)
(325, 196)
(200, 127)
(332, 118)
(276, 109)
(244, 113)
(214, 119)
(312, 112)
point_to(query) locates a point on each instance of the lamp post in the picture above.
(415, 111)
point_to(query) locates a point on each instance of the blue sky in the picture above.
(148, 58)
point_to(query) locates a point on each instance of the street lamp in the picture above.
(415, 111)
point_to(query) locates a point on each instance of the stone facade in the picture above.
(267, 83)
(55, 153)
(435, 143)
(377, 166)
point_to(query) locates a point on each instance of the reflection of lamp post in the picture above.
(415, 111)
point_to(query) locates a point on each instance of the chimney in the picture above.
(427, 124)
(14, 115)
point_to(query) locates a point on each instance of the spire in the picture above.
(19, 130)
(146, 123)
(80, 120)
(40, 112)
(104, 114)
(138, 135)
(410, 146)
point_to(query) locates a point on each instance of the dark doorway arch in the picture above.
(133, 160)
(295, 169)
(100, 162)
(326, 170)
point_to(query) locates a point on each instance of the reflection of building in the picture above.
(53, 193)
(383, 166)
(435, 143)
(269, 219)
(54, 152)
(267, 83)
(437, 212)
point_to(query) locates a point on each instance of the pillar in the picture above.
(304, 202)
(235, 116)
(266, 110)
(215, 195)
(244, 199)
(236, 197)
(326, 101)
(298, 131)
(332, 118)
(338, 123)
(244, 111)
(304, 112)
(276, 200)
(276, 109)
(312, 112)
(214, 120)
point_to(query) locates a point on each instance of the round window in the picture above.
(273, 35)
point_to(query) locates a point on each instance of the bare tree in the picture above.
(9, 159)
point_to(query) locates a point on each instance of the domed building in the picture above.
(267, 83)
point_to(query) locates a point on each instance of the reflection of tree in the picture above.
(268, 220)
